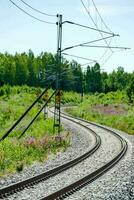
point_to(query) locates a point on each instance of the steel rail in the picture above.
(7, 191)
(72, 188)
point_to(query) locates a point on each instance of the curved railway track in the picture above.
(70, 189)
(14, 188)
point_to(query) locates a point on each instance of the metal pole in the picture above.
(59, 50)
(57, 121)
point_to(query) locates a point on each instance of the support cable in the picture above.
(100, 16)
(105, 52)
(103, 22)
(106, 60)
(79, 57)
(81, 44)
(93, 21)
(36, 115)
(88, 27)
(88, 63)
(111, 47)
(50, 15)
(41, 20)
(24, 114)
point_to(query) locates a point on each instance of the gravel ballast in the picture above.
(81, 142)
(105, 187)
(117, 183)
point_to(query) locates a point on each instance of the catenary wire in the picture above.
(78, 57)
(105, 52)
(111, 47)
(102, 22)
(102, 19)
(106, 60)
(93, 20)
(89, 63)
(87, 42)
(88, 27)
(100, 16)
(30, 14)
(43, 13)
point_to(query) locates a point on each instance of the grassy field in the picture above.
(37, 143)
(110, 109)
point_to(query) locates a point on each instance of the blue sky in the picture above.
(19, 32)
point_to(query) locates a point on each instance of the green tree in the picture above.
(22, 72)
(77, 76)
(32, 69)
(93, 79)
(130, 90)
(9, 71)
(2, 67)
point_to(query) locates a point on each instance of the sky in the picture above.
(19, 32)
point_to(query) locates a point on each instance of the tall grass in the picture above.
(38, 141)
(110, 109)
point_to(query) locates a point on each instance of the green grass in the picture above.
(37, 143)
(110, 109)
(70, 98)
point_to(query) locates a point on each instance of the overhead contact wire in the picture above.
(103, 22)
(93, 21)
(43, 13)
(30, 14)
(78, 57)
(100, 16)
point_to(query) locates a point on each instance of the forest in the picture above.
(39, 71)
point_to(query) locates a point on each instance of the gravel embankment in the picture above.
(116, 184)
(81, 141)
(109, 148)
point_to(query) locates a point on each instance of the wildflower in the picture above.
(44, 142)
(30, 142)
(58, 138)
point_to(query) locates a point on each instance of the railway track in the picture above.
(72, 188)
(14, 188)
(77, 185)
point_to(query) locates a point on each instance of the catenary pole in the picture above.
(57, 120)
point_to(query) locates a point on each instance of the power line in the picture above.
(105, 52)
(111, 47)
(100, 16)
(78, 57)
(89, 63)
(88, 4)
(50, 15)
(93, 21)
(106, 60)
(81, 44)
(88, 27)
(102, 21)
(91, 60)
(30, 14)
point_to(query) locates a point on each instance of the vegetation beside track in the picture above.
(112, 109)
(37, 143)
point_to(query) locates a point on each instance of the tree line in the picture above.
(39, 71)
